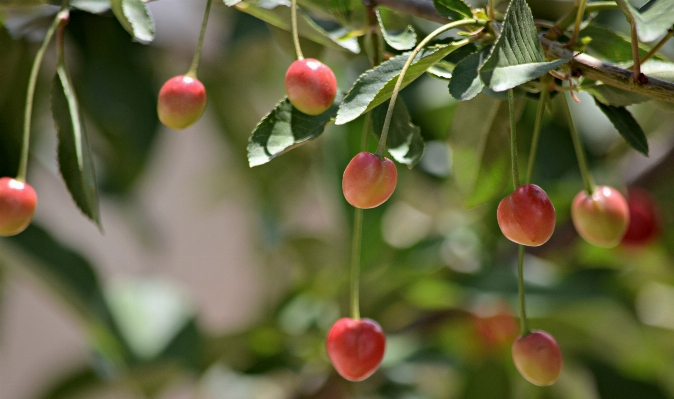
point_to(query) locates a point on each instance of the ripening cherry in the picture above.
(369, 181)
(17, 206)
(356, 347)
(182, 101)
(644, 225)
(527, 216)
(601, 218)
(496, 330)
(311, 86)
(538, 358)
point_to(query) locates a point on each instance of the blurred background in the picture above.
(215, 280)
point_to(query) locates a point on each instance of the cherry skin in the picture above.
(527, 216)
(538, 358)
(311, 86)
(17, 206)
(644, 224)
(369, 181)
(601, 218)
(182, 101)
(356, 347)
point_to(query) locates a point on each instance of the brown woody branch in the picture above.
(582, 63)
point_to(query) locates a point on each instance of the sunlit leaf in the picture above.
(283, 129)
(135, 18)
(404, 40)
(653, 20)
(517, 56)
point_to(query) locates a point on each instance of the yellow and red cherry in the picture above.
(356, 347)
(527, 216)
(601, 218)
(182, 101)
(538, 358)
(311, 86)
(18, 201)
(368, 180)
(644, 225)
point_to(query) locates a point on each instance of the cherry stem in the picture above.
(513, 139)
(579, 19)
(30, 95)
(578, 147)
(542, 102)
(524, 323)
(657, 47)
(197, 54)
(394, 96)
(296, 36)
(355, 263)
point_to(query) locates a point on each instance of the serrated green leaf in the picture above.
(404, 141)
(453, 9)
(627, 126)
(517, 56)
(74, 155)
(610, 45)
(655, 19)
(478, 139)
(283, 129)
(375, 86)
(278, 14)
(404, 40)
(610, 95)
(135, 18)
(466, 82)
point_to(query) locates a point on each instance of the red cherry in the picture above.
(182, 101)
(601, 218)
(538, 358)
(644, 225)
(496, 330)
(17, 206)
(356, 347)
(527, 216)
(369, 181)
(311, 86)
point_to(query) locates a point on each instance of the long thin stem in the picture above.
(579, 19)
(296, 36)
(513, 139)
(635, 51)
(394, 96)
(355, 263)
(578, 147)
(524, 323)
(657, 47)
(542, 102)
(30, 95)
(197, 54)
(491, 10)
(563, 24)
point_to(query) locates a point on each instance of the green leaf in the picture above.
(466, 82)
(404, 40)
(611, 45)
(517, 56)
(404, 141)
(375, 86)
(453, 9)
(478, 139)
(659, 70)
(92, 6)
(135, 18)
(341, 9)
(230, 3)
(278, 15)
(627, 126)
(283, 129)
(75, 161)
(610, 95)
(655, 20)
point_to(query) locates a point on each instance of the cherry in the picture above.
(527, 216)
(601, 218)
(644, 225)
(496, 330)
(17, 206)
(538, 358)
(182, 101)
(369, 181)
(311, 86)
(355, 347)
